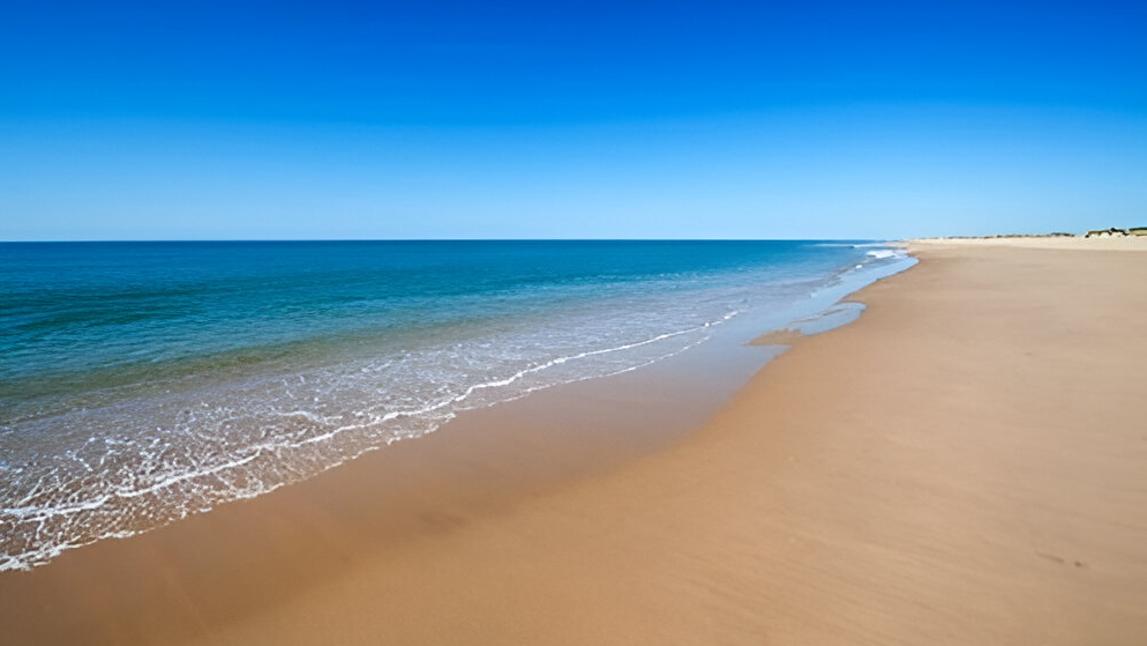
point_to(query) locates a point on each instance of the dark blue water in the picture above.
(142, 382)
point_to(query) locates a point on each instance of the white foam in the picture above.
(882, 254)
(51, 522)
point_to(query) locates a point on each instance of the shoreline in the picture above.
(808, 509)
(169, 446)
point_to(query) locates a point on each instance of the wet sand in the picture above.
(964, 464)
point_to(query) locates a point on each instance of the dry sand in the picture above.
(1066, 243)
(966, 464)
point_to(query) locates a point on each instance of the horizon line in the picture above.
(170, 240)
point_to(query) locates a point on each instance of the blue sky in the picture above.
(443, 120)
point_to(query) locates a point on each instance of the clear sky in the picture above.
(575, 120)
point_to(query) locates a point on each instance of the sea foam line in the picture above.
(33, 514)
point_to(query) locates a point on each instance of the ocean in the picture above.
(141, 382)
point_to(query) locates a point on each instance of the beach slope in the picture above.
(965, 464)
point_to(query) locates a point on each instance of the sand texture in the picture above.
(966, 464)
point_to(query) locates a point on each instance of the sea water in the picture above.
(143, 382)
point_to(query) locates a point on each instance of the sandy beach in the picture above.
(964, 464)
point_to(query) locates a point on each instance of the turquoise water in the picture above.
(143, 382)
